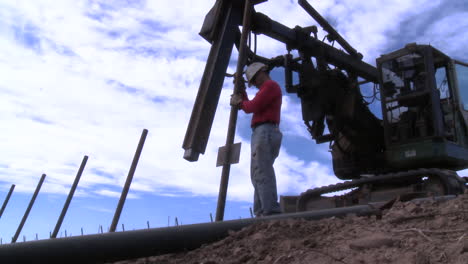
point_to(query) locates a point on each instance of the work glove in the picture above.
(236, 99)
(242, 82)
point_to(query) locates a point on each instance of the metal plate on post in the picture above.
(233, 157)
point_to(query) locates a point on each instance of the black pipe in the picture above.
(6, 200)
(25, 216)
(69, 198)
(146, 242)
(123, 195)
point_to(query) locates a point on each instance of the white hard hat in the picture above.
(253, 69)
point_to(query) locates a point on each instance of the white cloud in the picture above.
(291, 119)
(84, 78)
(114, 194)
(449, 35)
(100, 209)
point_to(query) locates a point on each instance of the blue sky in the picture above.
(85, 77)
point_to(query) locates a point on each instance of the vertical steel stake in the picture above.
(233, 115)
(69, 198)
(7, 199)
(123, 196)
(25, 216)
(147, 223)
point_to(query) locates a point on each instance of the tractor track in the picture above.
(452, 183)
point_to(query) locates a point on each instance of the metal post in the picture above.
(251, 212)
(123, 196)
(81, 231)
(233, 115)
(123, 227)
(7, 199)
(147, 223)
(69, 198)
(25, 216)
(211, 217)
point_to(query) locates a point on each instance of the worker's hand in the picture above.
(236, 99)
(242, 81)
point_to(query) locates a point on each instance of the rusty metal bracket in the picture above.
(226, 157)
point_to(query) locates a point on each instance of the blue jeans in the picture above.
(266, 142)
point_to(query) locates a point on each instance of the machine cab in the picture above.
(424, 96)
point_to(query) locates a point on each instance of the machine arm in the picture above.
(221, 29)
(297, 39)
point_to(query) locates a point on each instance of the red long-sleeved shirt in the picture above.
(266, 105)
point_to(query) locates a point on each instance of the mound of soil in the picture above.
(412, 232)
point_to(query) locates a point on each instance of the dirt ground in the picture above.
(420, 233)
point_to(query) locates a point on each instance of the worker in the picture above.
(266, 136)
